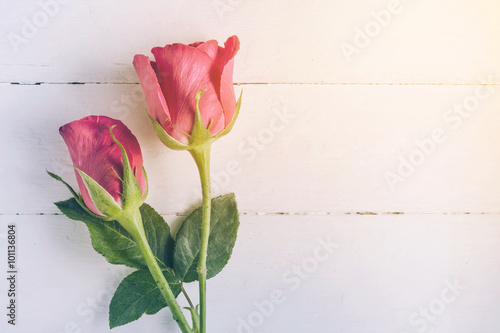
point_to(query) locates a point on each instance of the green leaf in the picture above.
(138, 294)
(224, 225)
(115, 244)
(158, 235)
(72, 209)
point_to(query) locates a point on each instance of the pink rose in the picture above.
(171, 85)
(97, 155)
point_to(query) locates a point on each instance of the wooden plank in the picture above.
(295, 148)
(365, 161)
(354, 273)
(322, 41)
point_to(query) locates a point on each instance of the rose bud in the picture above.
(108, 165)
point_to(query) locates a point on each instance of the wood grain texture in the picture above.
(400, 41)
(377, 272)
(295, 149)
(369, 124)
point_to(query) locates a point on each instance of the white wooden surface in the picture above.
(392, 153)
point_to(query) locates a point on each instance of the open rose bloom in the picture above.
(172, 82)
(98, 156)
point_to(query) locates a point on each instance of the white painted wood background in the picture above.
(320, 133)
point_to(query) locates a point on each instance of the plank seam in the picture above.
(365, 213)
(271, 83)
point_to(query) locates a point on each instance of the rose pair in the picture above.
(172, 86)
(191, 103)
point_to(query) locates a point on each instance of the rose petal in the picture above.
(157, 106)
(225, 64)
(183, 71)
(210, 47)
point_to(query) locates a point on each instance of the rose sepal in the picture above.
(229, 127)
(76, 195)
(132, 197)
(101, 198)
(165, 138)
(200, 135)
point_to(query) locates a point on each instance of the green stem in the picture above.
(191, 305)
(132, 222)
(201, 155)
